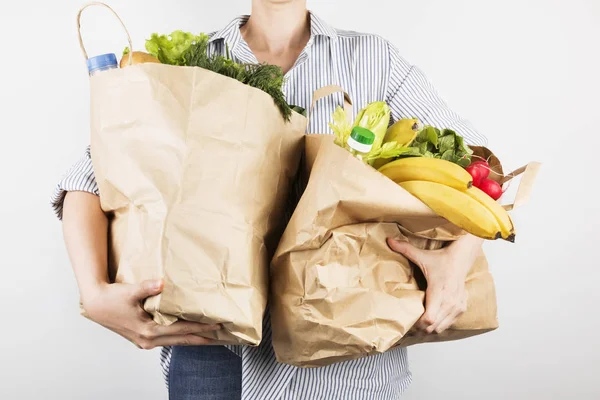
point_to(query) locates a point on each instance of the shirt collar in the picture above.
(232, 36)
(318, 27)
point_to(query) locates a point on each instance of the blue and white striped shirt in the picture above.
(370, 69)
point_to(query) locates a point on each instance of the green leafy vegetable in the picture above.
(171, 49)
(391, 150)
(186, 49)
(429, 135)
(445, 144)
(430, 142)
(266, 77)
(448, 155)
(463, 161)
(460, 144)
(340, 126)
(375, 117)
(299, 110)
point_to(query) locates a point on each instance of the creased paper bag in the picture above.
(339, 292)
(195, 169)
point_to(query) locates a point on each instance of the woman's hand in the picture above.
(118, 307)
(446, 270)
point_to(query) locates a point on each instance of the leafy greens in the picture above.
(445, 144)
(171, 49)
(186, 49)
(432, 142)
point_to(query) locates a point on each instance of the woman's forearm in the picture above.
(85, 229)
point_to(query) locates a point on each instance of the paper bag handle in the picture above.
(96, 3)
(326, 91)
(529, 173)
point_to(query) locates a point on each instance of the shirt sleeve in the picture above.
(412, 95)
(80, 177)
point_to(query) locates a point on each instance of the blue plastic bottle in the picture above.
(102, 63)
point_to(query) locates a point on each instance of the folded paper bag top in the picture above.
(339, 293)
(194, 169)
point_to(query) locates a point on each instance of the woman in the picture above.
(312, 54)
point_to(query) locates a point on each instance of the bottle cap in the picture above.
(362, 135)
(361, 139)
(102, 61)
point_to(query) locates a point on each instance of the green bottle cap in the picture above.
(362, 135)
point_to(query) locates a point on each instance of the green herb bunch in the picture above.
(186, 49)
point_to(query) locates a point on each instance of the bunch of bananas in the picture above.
(448, 190)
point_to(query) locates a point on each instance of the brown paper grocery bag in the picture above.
(339, 292)
(195, 169)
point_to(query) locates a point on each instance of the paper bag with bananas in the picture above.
(338, 291)
(194, 168)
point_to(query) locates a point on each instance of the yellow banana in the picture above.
(428, 169)
(457, 207)
(506, 225)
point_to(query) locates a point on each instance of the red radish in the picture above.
(476, 173)
(483, 166)
(491, 188)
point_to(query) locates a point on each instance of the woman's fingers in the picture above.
(448, 317)
(149, 334)
(441, 309)
(448, 321)
(433, 307)
(181, 333)
(174, 340)
(182, 328)
(145, 289)
(118, 307)
(442, 314)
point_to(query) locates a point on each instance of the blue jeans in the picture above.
(204, 373)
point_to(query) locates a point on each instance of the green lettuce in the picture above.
(172, 49)
(445, 144)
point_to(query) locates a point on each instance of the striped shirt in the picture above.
(370, 69)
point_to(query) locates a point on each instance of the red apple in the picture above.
(491, 188)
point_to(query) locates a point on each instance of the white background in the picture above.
(525, 72)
